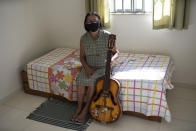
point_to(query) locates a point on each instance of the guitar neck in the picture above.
(111, 42)
(107, 71)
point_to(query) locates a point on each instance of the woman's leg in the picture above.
(80, 94)
(83, 114)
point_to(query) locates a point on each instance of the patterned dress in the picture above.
(96, 53)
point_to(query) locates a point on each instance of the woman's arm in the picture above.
(115, 54)
(82, 56)
(89, 71)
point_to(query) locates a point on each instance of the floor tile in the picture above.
(95, 126)
(24, 101)
(182, 109)
(135, 124)
(12, 119)
(178, 125)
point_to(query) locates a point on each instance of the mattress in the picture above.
(143, 79)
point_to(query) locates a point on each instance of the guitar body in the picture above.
(105, 106)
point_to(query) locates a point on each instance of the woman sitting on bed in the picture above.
(93, 55)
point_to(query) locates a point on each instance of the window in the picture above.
(130, 6)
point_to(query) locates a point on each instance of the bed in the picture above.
(143, 79)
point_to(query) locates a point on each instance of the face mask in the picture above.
(92, 27)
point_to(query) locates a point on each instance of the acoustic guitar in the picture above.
(105, 106)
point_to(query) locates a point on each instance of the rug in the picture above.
(58, 113)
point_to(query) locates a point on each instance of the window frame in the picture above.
(133, 11)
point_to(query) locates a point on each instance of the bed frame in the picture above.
(44, 94)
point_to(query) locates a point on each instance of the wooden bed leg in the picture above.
(25, 81)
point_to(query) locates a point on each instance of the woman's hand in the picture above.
(111, 63)
(89, 71)
(115, 54)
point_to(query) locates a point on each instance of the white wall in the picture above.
(134, 33)
(64, 19)
(22, 38)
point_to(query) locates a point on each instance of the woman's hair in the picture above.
(92, 13)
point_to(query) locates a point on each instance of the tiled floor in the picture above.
(181, 100)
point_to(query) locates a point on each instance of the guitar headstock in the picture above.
(111, 41)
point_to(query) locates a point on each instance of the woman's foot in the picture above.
(82, 117)
(75, 115)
